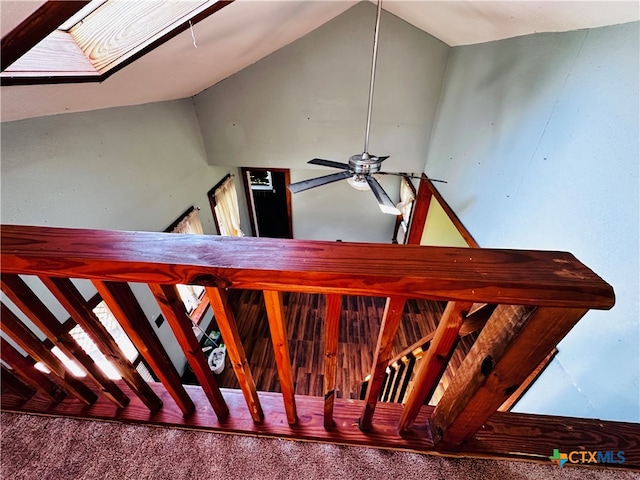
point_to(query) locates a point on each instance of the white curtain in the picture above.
(190, 294)
(190, 224)
(226, 209)
(407, 198)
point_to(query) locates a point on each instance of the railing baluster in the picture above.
(71, 299)
(126, 309)
(280, 340)
(11, 380)
(512, 344)
(31, 374)
(434, 361)
(27, 301)
(333, 311)
(390, 322)
(173, 309)
(229, 331)
(28, 341)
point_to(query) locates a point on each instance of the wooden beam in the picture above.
(434, 361)
(522, 389)
(36, 311)
(512, 344)
(29, 373)
(420, 212)
(26, 339)
(127, 311)
(279, 339)
(507, 436)
(35, 28)
(173, 309)
(391, 320)
(517, 277)
(333, 310)
(71, 299)
(226, 322)
(12, 381)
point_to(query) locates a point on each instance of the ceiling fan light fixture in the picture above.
(359, 183)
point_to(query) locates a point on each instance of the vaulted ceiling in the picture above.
(245, 31)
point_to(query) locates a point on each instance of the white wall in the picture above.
(538, 139)
(129, 168)
(309, 99)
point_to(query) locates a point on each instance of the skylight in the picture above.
(100, 38)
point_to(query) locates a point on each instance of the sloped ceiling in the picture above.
(248, 30)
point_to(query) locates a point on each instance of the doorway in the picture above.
(269, 201)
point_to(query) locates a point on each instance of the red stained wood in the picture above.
(71, 299)
(24, 367)
(22, 296)
(174, 311)
(434, 361)
(16, 384)
(390, 322)
(420, 211)
(279, 339)
(515, 340)
(25, 338)
(331, 332)
(226, 322)
(125, 308)
(504, 436)
(477, 275)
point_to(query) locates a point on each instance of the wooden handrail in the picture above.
(540, 296)
(517, 277)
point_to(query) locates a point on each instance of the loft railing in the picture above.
(540, 297)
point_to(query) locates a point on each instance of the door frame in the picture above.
(249, 195)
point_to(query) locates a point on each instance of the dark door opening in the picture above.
(269, 201)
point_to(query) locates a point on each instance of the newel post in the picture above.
(512, 344)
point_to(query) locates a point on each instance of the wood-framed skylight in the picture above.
(82, 41)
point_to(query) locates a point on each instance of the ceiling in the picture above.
(247, 30)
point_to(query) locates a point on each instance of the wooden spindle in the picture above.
(333, 311)
(29, 373)
(226, 322)
(280, 341)
(512, 344)
(36, 311)
(434, 361)
(26, 339)
(71, 299)
(125, 308)
(11, 380)
(390, 322)
(174, 312)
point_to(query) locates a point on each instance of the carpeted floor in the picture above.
(43, 448)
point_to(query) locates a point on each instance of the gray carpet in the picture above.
(43, 448)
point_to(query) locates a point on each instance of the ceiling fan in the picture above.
(360, 170)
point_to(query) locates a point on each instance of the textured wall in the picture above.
(309, 99)
(538, 138)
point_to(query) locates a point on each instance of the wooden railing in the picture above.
(540, 297)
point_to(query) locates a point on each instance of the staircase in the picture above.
(399, 371)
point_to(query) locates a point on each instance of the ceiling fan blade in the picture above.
(384, 202)
(318, 181)
(400, 174)
(381, 159)
(329, 163)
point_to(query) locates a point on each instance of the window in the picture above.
(191, 295)
(82, 338)
(61, 40)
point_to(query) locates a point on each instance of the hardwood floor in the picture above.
(360, 322)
